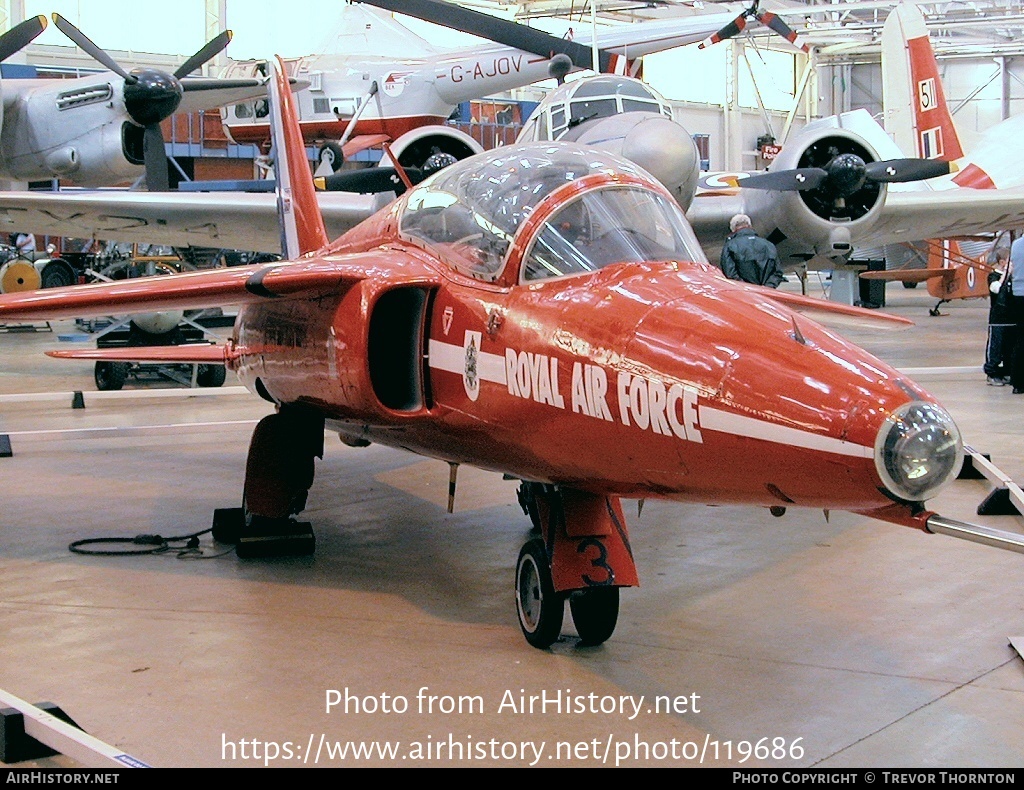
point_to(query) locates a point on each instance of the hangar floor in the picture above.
(853, 642)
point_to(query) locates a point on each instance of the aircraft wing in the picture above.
(913, 215)
(195, 353)
(644, 38)
(226, 220)
(834, 313)
(211, 288)
(908, 215)
(709, 215)
(907, 275)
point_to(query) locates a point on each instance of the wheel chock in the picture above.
(998, 503)
(5, 446)
(275, 537)
(968, 471)
(16, 745)
(228, 523)
(77, 400)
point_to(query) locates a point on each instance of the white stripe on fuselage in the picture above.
(491, 367)
(753, 428)
(452, 358)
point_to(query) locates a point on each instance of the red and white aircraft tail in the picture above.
(917, 115)
(302, 225)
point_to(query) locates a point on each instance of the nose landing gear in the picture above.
(583, 555)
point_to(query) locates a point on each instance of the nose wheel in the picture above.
(540, 608)
(595, 613)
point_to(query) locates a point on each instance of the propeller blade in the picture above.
(155, 156)
(902, 170)
(772, 21)
(368, 180)
(786, 180)
(210, 50)
(766, 18)
(501, 31)
(734, 28)
(20, 36)
(85, 44)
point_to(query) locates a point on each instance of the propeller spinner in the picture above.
(150, 95)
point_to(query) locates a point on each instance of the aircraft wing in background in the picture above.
(227, 220)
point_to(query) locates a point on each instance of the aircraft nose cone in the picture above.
(657, 144)
(918, 450)
(852, 432)
(154, 96)
(665, 150)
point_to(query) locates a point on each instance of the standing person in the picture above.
(748, 257)
(999, 349)
(26, 244)
(1015, 281)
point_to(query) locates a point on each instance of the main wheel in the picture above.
(595, 612)
(330, 155)
(110, 375)
(211, 375)
(540, 608)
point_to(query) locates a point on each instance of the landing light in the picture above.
(918, 451)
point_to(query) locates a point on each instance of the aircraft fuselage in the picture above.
(627, 381)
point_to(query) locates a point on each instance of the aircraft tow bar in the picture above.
(976, 533)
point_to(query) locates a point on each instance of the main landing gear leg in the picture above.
(278, 475)
(582, 554)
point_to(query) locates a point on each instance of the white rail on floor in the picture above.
(160, 392)
(67, 740)
(997, 477)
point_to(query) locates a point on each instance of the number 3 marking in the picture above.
(601, 561)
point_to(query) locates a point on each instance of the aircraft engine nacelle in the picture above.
(658, 144)
(81, 146)
(827, 219)
(415, 147)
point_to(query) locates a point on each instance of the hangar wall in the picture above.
(982, 91)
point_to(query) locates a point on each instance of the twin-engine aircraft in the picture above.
(102, 129)
(544, 310)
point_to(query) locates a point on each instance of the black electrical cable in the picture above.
(145, 544)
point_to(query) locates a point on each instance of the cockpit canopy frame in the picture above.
(486, 216)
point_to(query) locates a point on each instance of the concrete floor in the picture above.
(854, 643)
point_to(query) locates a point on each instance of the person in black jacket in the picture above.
(1001, 329)
(748, 257)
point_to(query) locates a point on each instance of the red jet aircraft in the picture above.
(545, 311)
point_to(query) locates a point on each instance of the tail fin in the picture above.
(916, 113)
(302, 225)
(969, 272)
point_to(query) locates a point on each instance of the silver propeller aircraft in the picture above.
(102, 129)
